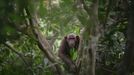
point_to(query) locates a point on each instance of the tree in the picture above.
(31, 31)
(127, 63)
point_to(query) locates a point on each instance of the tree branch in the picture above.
(42, 42)
(15, 51)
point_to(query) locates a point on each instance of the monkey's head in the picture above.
(72, 40)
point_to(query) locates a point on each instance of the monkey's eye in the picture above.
(71, 38)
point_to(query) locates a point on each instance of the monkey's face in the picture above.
(71, 40)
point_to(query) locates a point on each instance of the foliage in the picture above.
(56, 19)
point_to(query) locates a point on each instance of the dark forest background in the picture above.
(31, 32)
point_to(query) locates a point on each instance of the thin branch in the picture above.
(15, 51)
(92, 9)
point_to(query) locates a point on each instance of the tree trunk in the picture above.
(127, 62)
(90, 38)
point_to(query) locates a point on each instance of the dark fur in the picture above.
(64, 50)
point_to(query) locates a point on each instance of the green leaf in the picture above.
(73, 54)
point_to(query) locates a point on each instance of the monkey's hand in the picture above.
(73, 68)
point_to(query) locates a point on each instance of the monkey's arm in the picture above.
(66, 59)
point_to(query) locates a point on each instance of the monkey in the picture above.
(69, 42)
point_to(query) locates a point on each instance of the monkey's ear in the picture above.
(77, 37)
(65, 37)
(77, 42)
